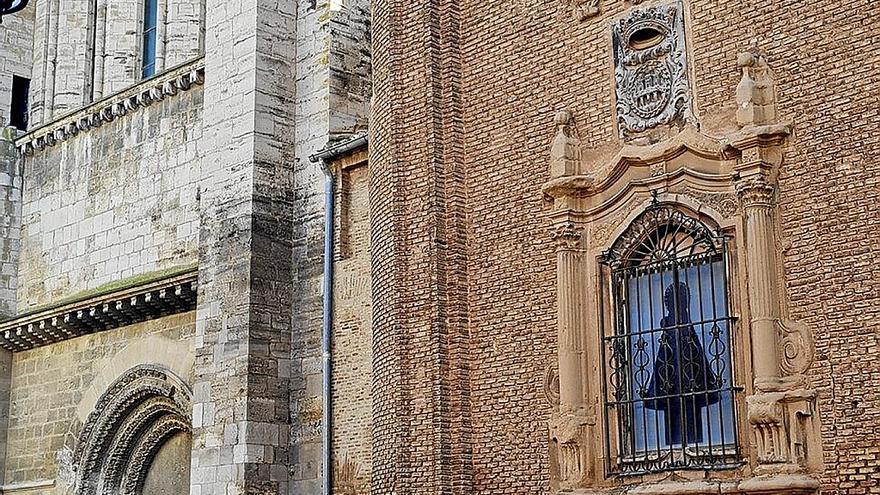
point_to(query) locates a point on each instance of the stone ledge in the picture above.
(26, 486)
(144, 94)
(780, 484)
(125, 306)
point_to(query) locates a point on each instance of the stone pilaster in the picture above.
(782, 412)
(10, 242)
(569, 425)
(241, 386)
(569, 315)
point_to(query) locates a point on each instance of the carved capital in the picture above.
(566, 237)
(755, 192)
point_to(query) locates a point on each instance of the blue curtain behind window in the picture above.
(646, 310)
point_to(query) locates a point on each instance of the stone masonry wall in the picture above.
(352, 334)
(10, 243)
(312, 134)
(52, 387)
(113, 202)
(350, 54)
(332, 88)
(519, 63)
(16, 54)
(85, 50)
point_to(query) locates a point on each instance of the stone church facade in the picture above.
(587, 246)
(162, 240)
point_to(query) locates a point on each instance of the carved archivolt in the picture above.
(141, 410)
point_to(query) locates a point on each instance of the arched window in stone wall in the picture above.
(669, 383)
(140, 426)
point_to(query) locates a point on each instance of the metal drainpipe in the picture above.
(326, 323)
(326, 336)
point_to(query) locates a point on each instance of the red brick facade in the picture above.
(463, 268)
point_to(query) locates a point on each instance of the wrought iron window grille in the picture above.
(668, 375)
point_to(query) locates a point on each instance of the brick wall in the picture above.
(111, 203)
(521, 61)
(352, 334)
(54, 389)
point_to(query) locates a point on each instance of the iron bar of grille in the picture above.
(640, 386)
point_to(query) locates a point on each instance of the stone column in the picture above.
(244, 315)
(756, 198)
(570, 314)
(782, 413)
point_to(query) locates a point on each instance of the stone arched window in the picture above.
(669, 401)
(141, 420)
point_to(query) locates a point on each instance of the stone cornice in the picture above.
(125, 306)
(144, 94)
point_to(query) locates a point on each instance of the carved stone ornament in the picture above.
(796, 347)
(756, 91)
(724, 203)
(565, 153)
(585, 9)
(130, 422)
(650, 69)
(551, 385)
(785, 431)
(567, 433)
(566, 236)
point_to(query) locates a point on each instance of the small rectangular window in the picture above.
(149, 53)
(18, 114)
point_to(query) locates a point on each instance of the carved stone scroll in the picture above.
(796, 348)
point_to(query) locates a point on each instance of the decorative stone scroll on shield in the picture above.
(650, 69)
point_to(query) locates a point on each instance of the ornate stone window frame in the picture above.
(730, 181)
(704, 234)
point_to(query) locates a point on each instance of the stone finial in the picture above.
(756, 91)
(565, 152)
